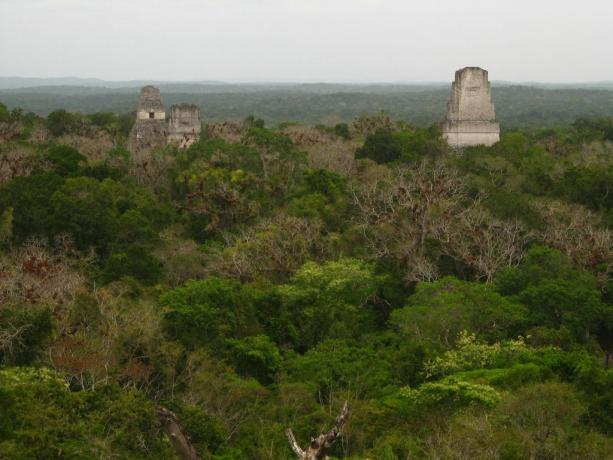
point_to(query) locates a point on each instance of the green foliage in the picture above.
(102, 119)
(408, 146)
(137, 262)
(589, 129)
(206, 432)
(439, 311)
(538, 421)
(341, 367)
(306, 288)
(28, 196)
(5, 115)
(25, 330)
(255, 356)
(329, 300)
(205, 313)
(448, 395)
(556, 294)
(61, 122)
(342, 130)
(6, 226)
(65, 160)
(508, 205)
(280, 160)
(588, 185)
(83, 207)
(469, 354)
(103, 213)
(513, 377)
(382, 147)
(42, 418)
(320, 194)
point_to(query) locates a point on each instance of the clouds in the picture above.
(305, 40)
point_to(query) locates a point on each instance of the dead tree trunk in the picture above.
(319, 445)
(181, 443)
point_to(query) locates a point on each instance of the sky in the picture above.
(307, 40)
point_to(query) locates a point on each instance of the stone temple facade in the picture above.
(151, 128)
(184, 125)
(470, 119)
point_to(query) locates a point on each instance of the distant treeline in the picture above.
(516, 106)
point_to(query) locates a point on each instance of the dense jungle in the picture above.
(460, 303)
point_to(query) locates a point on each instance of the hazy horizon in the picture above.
(300, 41)
(296, 82)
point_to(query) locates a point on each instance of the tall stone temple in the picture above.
(151, 128)
(470, 119)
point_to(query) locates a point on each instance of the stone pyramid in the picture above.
(470, 118)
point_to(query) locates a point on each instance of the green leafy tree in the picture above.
(342, 369)
(381, 147)
(255, 356)
(538, 421)
(61, 122)
(5, 115)
(555, 294)
(42, 418)
(329, 300)
(280, 160)
(439, 311)
(102, 119)
(205, 313)
(6, 226)
(106, 213)
(28, 196)
(136, 262)
(321, 194)
(447, 395)
(65, 160)
(83, 207)
(409, 146)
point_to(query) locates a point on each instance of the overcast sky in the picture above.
(307, 40)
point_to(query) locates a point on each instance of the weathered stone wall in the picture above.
(184, 125)
(471, 118)
(150, 129)
(150, 99)
(144, 115)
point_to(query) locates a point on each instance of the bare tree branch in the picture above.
(183, 447)
(319, 445)
(293, 443)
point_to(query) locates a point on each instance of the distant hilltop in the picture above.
(27, 82)
(418, 104)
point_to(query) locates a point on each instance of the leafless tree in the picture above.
(230, 131)
(576, 232)
(400, 213)
(91, 142)
(487, 244)
(276, 247)
(16, 160)
(336, 155)
(34, 273)
(11, 337)
(369, 124)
